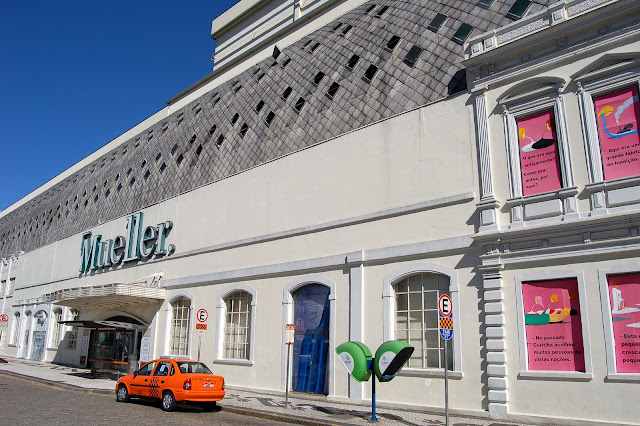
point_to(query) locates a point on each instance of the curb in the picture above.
(268, 415)
(55, 384)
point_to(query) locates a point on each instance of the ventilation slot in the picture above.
(212, 130)
(158, 157)
(370, 73)
(412, 55)
(346, 30)
(353, 62)
(380, 12)
(437, 22)
(462, 34)
(285, 63)
(318, 78)
(147, 174)
(259, 106)
(162, 167)
(269, 118)
(235, 118)
(314, 47)
(369, 9)
(334, 29)
(243, 130)
(174, 149)
(518, 9)
(299, 105)
(331, 93)
(199, 150)
(393, 42)
(286, 93)
(220, 141)
(179, 160)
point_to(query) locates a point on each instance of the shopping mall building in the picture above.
(344, 165)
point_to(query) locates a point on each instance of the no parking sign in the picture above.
(445, 315)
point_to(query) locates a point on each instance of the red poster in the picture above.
(539, 154)
(553, 325)
(624, 297)
(618, 115)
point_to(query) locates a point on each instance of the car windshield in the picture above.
(193, 367)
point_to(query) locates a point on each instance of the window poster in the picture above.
(618, 115)
(539, 154)
(553, 325)
(624, 298)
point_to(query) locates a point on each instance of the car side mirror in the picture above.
(135, 373)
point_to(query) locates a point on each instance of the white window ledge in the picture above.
(622, 377)
(417, 372)
(613, 184)
(232, 361)
(556, 375)
(559, 193)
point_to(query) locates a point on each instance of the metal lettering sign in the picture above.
(445, 316)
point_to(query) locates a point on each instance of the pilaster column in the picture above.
(592, 147)
(356, 314)
(488, 205)
(495, 333)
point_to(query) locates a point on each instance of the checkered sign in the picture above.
(445, 315)
(446, 323)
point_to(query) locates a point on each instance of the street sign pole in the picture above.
(289, 340)
(373, 396)
(286, 397)
(199, 344)
(446, 384)
(445, 319)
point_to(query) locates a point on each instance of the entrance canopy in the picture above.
(103, 325)
(109, 296)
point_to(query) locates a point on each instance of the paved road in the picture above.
(24, 402)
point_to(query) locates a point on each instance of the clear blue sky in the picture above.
(76, 74)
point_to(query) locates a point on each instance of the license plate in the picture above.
(209, 385)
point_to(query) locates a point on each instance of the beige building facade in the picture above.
(479, 165)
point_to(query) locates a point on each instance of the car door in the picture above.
(140, 382)
(158, 380)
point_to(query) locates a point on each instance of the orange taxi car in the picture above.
(172, 381)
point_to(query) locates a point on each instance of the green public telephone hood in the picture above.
(391, 356)
(356, 357)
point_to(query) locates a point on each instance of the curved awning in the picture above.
(103, 325)
(109, 296)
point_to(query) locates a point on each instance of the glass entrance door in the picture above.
(311, 343)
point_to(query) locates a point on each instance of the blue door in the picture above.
(311, 344)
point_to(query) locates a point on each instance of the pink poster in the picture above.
(553, 325)
(539, 154)
(624, 297)
(618, 115)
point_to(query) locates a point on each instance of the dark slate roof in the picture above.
(182, 152)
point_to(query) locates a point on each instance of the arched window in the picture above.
(237, 329)
(15, 327)
(73, 334)
(55, 327)
(180, 326)
(416, 320)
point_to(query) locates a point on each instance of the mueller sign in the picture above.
(139, 243)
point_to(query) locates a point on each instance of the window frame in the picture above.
(56, 328)
(170, 330)
(593, 82)
(389, 309)
(72, 341)
(221, 314)
(584, 316)
(523, 100)
(15, 328)
(610, 350)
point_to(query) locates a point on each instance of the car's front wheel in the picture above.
(122, 395)
(168, 401)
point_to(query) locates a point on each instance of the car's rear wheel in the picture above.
(123, 394)
(168, 401)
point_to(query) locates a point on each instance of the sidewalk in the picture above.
(303, 410)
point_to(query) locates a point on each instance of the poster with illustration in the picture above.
(539, 154)
(553, 325)
(624, 301)
(618, 115)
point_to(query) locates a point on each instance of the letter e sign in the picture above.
(202, 315)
